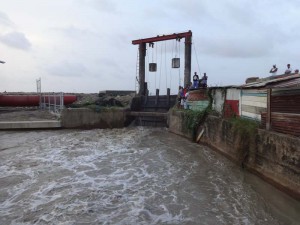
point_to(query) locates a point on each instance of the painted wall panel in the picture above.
(254, 99)
(257, 104)
(233, 94)
(198, 105)
(253, 109)
(253, 103)
(254, 91)
(231, 108)
(251, 116)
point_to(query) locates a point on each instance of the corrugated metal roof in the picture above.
(282, 81)
(288, 83)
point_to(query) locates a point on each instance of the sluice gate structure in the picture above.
(151, 110)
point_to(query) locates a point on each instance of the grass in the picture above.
(245, 127)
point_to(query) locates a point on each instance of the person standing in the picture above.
(181, 96)
(204, 81)
(273, 71)
(195, 81)
(289, 69)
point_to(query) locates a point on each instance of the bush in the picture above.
(245, 127)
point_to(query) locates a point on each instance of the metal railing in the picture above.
(54, 102)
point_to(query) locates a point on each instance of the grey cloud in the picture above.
(236, 47)
(75, 32)
(16, 40)
(103, 5)
(4, 20)
(156, 14)
(67, 69)
(193, 10)
(241, 14)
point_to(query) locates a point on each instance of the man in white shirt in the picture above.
(273, 71)
(288, 70)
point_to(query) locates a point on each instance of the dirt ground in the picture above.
(26, 114)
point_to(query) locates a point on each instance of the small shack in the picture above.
(275, 101)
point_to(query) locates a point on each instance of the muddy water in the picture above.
(129, 176)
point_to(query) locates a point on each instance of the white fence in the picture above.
(52, 101)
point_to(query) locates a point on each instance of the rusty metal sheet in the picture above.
(285, 123)
(278, 81)
(286, 104)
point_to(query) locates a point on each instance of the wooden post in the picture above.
(157, 96)
(168, 97)
(268, 119)
(142, 54)
(187, 60)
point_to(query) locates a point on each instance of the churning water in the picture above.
(129, 176)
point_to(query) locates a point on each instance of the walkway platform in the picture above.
(43, 124)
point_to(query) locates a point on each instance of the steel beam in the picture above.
(163, 38)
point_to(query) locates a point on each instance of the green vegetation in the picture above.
(245, 131)
(244, 127)
(192, 119)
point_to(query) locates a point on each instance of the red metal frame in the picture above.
(163, 38)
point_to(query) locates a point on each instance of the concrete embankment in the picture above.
(273, 156)
(88, 118)
(27, 118)
(70, 118)
(8, 125)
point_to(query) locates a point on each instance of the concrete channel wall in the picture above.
(176, 124)
(273, 156)
(88, 118)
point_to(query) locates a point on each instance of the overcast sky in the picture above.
(85, 45)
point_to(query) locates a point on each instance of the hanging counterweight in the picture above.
(152, 67)
(176, 63)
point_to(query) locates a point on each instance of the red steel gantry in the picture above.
(142, 54)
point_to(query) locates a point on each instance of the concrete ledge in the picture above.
(156, 114)
(29, 124)
(87, 118)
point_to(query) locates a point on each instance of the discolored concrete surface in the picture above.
(25, 114)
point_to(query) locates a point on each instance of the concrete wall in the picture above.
(176, 124)
(87, 118)
(276, 157)
(218, 96)
(272, 156)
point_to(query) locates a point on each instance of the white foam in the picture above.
(118, 176)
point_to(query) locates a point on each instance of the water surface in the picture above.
(129, 176)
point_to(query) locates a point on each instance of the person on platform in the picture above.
(204, 81)
(180, 97)
(273, 71)
(195, 81)
(185, 95)
(185, 106)
(288, 70)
